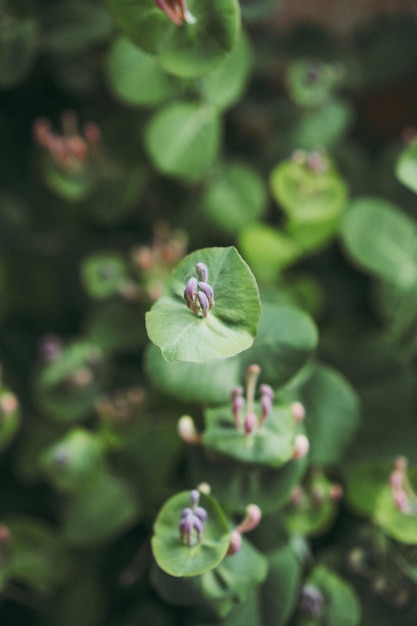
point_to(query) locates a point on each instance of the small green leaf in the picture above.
(382, 240)
(285, 340)
(236, 198)
(223, 85)
(136, 78)
(179, 559)
(271, 445)
(104, 275)
(228, 329)
(278, 250)
(406, 168)
(99, 511)
(332, 414)
(73, 461)
(205, 383)
(183, 139)
(280, 592)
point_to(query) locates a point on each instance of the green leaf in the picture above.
(104, 275)
(285, 340)
(280, 592)
(205, 383)
(183, 139)
(236, 198)
(187, 50)
(382, 240)
(136, 78)
(313, 200)
(19, 40)
(406, 167)
(99, 511)
(72, 28)
(324, 126)
(228, 329)
(179, 559)
(278, 250)
(332, 414)
(224, 85)
(68, 386)
(73, 461)
(35, 555)
(271, 445)
(342, 606)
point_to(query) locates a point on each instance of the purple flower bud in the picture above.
(204, 303)
(237, 391)
(194, 497)
(208, 291)
(312, 600)
(202, 271)
(201, 513)
(266, 390)
(237, 406)
(266, 404)
(190, 291)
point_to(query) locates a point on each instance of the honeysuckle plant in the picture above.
(208, 315)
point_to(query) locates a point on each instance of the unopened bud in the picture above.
(190, 292)
(235, 542)
(208, 291)
(298, 411)
(202, 272)
(204, 488)
(301, 446)
(187, 430)
(252, 519)
(204, 303)
(250, 423)
(336, 492)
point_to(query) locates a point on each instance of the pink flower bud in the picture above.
(250, 423)
(301, 446)
(298, 411)
(251, 520)
(187, 430)
(208, 291)
(235, 542)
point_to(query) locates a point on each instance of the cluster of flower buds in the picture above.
(243, 409)
(315, 161)
(192, 521)
(154, 262)
(176, 10)
(251, 520)
(315, 492)
(198, 294)
(404, 495)
(70, 151)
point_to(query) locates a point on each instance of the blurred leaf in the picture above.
(229, 328)
(382, 240)
(116, 326)
(332, 414)
(205, 383)
(19, 40)
(136, 78)
(235, 198)
(280, 592)
(104, 275)
(310, 82)
(183, 139)
(224, 85)
(406, 168)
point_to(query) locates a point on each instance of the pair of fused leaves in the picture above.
(312, 195)
(369, 493)
(189, 49)
(228, 329)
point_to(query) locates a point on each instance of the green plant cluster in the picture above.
(208, 311)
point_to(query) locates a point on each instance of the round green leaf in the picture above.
(183, 139)
(224, 85)
(332, 414)
(99, 511)
(236, 198)
(285, 340)
(342, 606)
(73, 460)
(68, 386)
(104, 275)
(206, 383)
(228, 329)
(271, 445)
(136, 78)
(382, 240)
(179, 559)
(406, 168)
